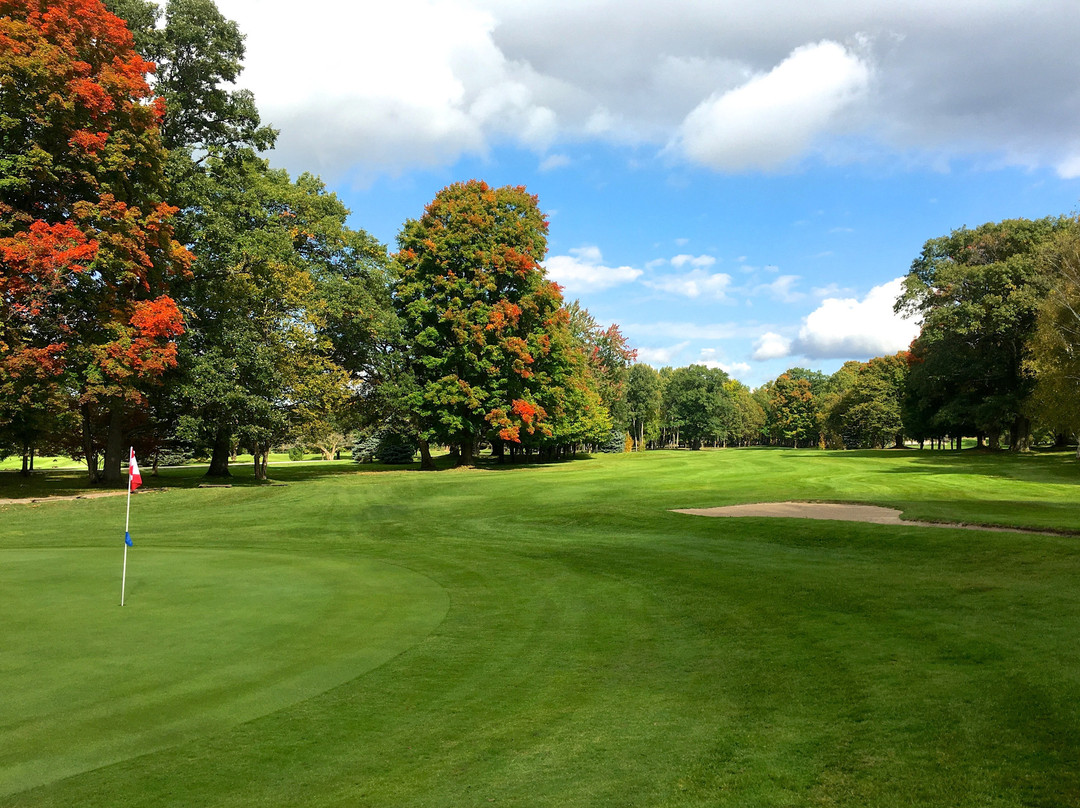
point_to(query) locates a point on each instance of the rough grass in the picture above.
(598, 649)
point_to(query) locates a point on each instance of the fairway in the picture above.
(551, 635)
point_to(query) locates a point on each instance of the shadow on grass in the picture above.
(1046, 466)
(50, 483)
(1053, 517)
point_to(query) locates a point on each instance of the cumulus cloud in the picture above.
(774, 118)
(584, 271)
(847, 328)
(693, 284)
(771, 345)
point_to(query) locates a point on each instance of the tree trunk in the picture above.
(88, 446)
(27, 464)
(260, 457)
(1021, 432)
(995, 441)
(426, 463)
(114, 443)
(219, 459)
(465, 455)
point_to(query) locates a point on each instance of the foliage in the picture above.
(792, 412)
(644, 400)
(1055, 347)
(698, 404)
(85, 233)
(615, 443)
(867, 414)
(485, 329)
(386, 445)
(978, 292)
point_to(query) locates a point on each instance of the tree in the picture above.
(698, 404)
(479, 316)
(199, 56)
(644, 400)
(85, 234)
(610, 357)
(869, 411)
(1054, 356)
(748, 416)
(978, 292)
(792, 412)
(258, 361)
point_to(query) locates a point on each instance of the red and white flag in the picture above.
(134, 478)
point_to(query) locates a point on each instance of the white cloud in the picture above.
(694, 284)
(554, 161)
(846, 328)
(771, 345)
(584, 271)
(1069, 168)
(775, 117)
(782, 289)
(707, 357)
(658, 357)
(699, 261)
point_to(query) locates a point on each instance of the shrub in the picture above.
(615, 442)
(384, 445)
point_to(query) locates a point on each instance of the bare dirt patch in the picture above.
(840, 512)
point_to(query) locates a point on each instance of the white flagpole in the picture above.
(127, 524)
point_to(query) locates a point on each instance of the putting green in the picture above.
(207, 639)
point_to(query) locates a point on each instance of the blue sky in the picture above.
(733, 183)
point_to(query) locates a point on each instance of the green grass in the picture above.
(594, 648)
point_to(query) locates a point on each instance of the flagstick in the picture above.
(127, 525)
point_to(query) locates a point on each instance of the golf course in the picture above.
(549, 635)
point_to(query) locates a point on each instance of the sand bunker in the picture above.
(841, 512)
(807, 510)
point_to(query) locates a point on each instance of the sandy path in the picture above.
(39, 500)
(840, 512)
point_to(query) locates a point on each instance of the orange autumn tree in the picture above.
(86, 240)
(485, 330)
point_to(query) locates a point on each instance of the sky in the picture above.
(736, 183)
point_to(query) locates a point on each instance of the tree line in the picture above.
(997, 359)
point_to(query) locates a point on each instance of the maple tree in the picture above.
(487, 335)
(85, 234)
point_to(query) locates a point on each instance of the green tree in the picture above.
(1055, 347)
(748, 416)
(478, 316)
(644, 403)
(258, 363)
(698, 404)
(869, 411)
(978, 292)
(792, 411)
